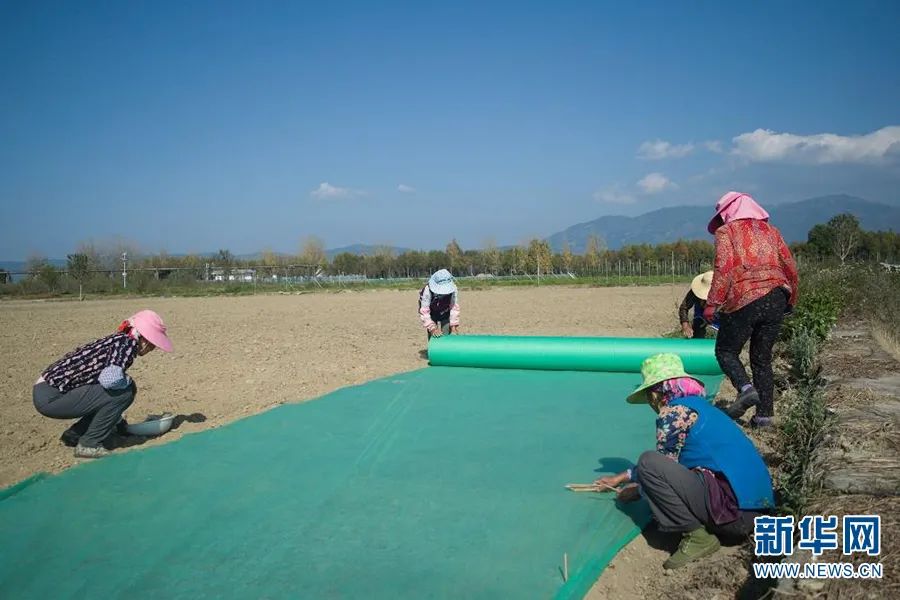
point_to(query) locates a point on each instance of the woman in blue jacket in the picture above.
(705, 476)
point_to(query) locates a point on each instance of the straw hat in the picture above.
(701, 284)
(656, 369)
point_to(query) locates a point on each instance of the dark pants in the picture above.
(760, 322)
(444, 325)
(677, 496)
(699, 326)
(98, 409)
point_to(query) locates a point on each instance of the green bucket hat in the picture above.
(655, 369)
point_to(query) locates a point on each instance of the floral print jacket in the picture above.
(672, 426)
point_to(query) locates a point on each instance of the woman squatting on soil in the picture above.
(90, 383)
(754, 284)
(705, 477)
(439, 305)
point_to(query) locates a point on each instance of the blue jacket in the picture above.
(716, 443)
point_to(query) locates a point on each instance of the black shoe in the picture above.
(69, 438)
(745, 400)
(758, 422)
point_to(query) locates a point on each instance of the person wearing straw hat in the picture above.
(439, 305)
(91, 384)
(755, 283)
(695, 299)
(705, 477)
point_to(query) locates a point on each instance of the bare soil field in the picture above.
(238, 356)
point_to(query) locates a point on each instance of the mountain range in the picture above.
(794, 219)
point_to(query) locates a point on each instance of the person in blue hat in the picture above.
(439, 305)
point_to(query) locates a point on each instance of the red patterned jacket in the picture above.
(751, 260)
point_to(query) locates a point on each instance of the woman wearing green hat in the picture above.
(705, 477)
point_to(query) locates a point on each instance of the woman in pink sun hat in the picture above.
(754, 284)
(90, 383)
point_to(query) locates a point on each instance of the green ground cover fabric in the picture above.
(445, 482)
(612, 355)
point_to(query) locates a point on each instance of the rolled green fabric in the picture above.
(614, 355)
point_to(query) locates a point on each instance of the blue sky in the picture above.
(196, 126)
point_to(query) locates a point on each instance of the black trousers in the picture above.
(760, 322)
(97, 408)
(699, 326)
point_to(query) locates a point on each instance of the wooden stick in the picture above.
(589, 487)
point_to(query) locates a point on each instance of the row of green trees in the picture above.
(843, 239)
(535, 257)
(840, 239)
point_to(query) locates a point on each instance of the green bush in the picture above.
(803, 352)
(865, 292)
(188, 279)
(101, 283)
(33, 286)
(816, 313)
(804, 424)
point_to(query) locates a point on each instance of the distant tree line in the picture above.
(98, 267)
(842, 239)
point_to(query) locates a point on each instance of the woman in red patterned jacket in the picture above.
(754, 285)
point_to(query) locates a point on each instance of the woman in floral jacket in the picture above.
(754, 285)
(705, 477)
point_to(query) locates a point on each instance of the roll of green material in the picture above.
(614, 355)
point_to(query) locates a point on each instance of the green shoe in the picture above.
(695, 545)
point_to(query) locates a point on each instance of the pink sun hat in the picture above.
(733, 206)
(151, 326)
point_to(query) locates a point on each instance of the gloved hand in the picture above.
(709, 314)
(122, 427)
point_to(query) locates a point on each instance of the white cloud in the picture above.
(714, 146)
(406, 189)
(764, 145)
(653, 183)
(613, 195)
(659, 149)
(326, 191)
